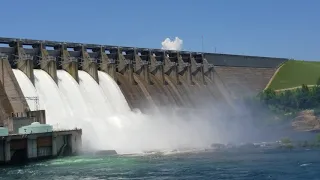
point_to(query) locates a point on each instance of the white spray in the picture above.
(106, 119)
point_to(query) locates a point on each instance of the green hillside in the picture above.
(295, 73)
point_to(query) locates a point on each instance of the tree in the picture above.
(318, 81)
(304, 89)
(289, 101)
(318, 138)
(316, 95)
(268, 96)
(304, 97)
(285, 141)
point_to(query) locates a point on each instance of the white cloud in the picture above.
(175, 44)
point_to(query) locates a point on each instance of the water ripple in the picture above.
(230, 166)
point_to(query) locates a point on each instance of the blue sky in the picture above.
(278, 28)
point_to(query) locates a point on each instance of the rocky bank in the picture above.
(306, 121)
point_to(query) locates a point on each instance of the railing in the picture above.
(23, 57)
(92, 60)
(144, 62)
(185, 64)
(46, 59)
(67, 60)
(158, 63)
(109, 61)
(198, 65)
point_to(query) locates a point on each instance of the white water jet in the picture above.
(106, 119)
(27, 88)
(51, 99)
(83, 115)
(112, 90)
(69, 87)
(94, 95)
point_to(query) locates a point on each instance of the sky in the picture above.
(276, 28)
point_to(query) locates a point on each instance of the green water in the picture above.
(302, 164)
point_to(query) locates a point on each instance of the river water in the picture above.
(296, 164)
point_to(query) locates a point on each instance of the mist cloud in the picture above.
(169, 44)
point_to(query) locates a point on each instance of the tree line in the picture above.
(284, 104)
(292, 100)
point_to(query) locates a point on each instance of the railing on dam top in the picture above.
(243, 61)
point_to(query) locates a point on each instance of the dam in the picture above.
(104, 87)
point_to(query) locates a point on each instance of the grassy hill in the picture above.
(295, 73)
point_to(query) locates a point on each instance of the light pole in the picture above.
(202, 44)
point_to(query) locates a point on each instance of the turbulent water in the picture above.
(293, 165)
(103, 113)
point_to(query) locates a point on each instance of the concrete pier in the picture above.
(67, 62)
(156, 65)
(12, 98)
(171, 66)
(107, 62)
(47, 63)
(21, 148)
(184, 66)
(23, 60)
(125, 65)
(197, 69)
(208, 69)
(141, 64)
(87, 63)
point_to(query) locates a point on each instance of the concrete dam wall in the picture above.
(96, 87)
(12, 99)
(244, 75)
(146, 77)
